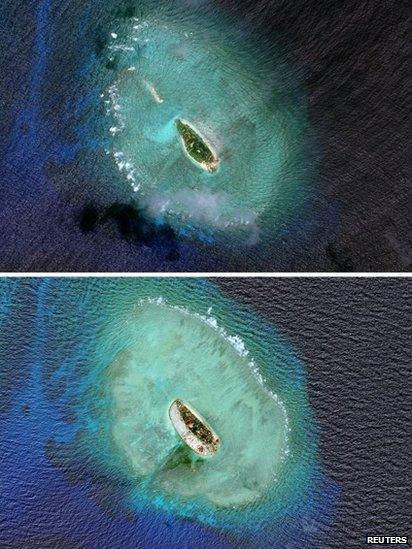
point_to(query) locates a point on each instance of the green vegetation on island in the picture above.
(196, 147)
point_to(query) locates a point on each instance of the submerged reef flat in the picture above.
(109, 357)
(196, 147)
(185, 73)
(167, 340)
(175, 352)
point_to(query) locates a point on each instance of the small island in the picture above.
(196, 147)
(193, 429)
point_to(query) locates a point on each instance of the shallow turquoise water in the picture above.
(171, 353)
(99, 361)
(174, 62)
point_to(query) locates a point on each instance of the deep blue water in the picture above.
(61, 481)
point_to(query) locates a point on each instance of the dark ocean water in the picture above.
(64, 205)
(354, 336)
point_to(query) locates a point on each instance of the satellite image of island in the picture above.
(204, 136)
(169, 379)
(213, 413)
